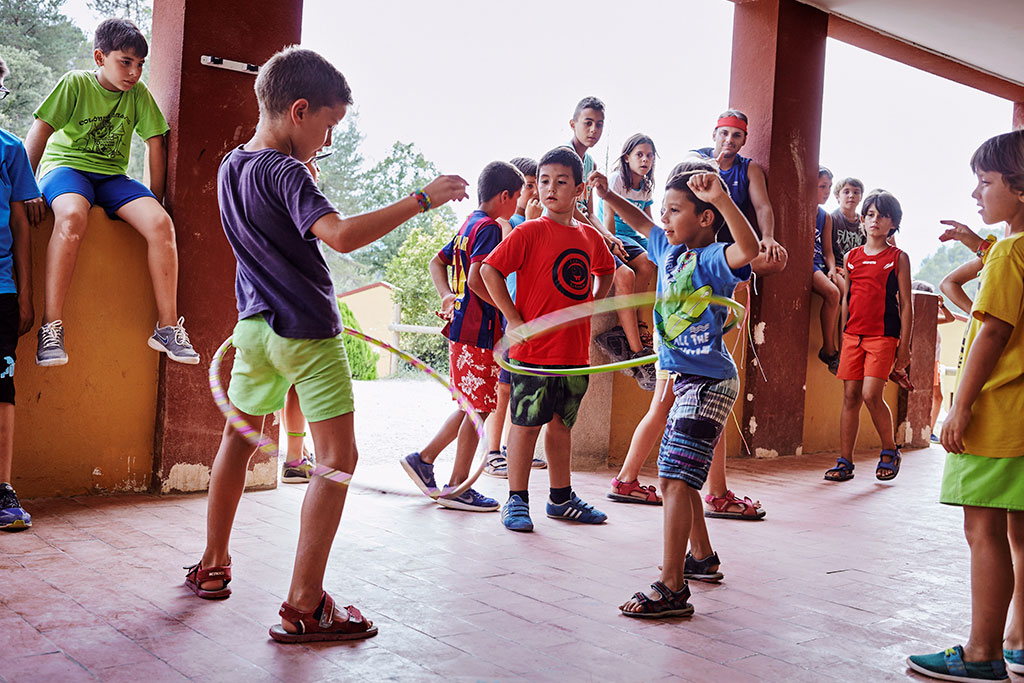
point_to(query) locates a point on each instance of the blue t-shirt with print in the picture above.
(690, 331)
(17, 184)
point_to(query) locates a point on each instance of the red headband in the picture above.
(732, 122)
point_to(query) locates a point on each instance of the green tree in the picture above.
(415, 292)
(139, 11)
(945, 260)
(29, 82)
(362, 359)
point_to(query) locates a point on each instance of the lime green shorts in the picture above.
(267, 364)
(983, 482)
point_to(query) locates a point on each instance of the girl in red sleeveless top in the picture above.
(877, 319)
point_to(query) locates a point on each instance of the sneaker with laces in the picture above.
(515, 515)
(421, 473)
(50, 345)
(471, 501)
(173, 340)
(614, 344)
(13, 517)
(576, 510)
(297, 471)
(497, 464)
(645, 375)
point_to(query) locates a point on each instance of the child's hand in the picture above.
(961, 233)
(36, 210)
(534, 209)
(615, 246)
(599, 183)
(902, 357)
(707, 187)
(445, 188)
(447, 307)
(953, 427)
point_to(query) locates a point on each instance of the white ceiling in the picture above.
(986, 34)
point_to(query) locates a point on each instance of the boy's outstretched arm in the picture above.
(765, 213)
(745, 247)
(844, 300)
(476, 283)
(348, 234)
(494, 281)
(439, 276)
(981, 360)
(906, 312)
(962, 234)
(22, 252)
(35, 143)
(156, 161)
(953, 284)
(614, 243)
(633, 217)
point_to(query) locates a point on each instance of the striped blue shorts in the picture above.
(694, 427)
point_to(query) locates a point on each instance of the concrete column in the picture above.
(210, 111)
(778, 65)
(913, 426)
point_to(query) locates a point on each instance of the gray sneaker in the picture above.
(173, 340)
(50, 345)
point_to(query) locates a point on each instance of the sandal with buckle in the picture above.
(749, 509)
(197, 575)
(843, 471)
(702, 570)
(633, 492)
(323, 623)
(887, 471)
(669, 604)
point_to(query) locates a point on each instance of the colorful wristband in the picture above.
(424, 200)
(985, 246)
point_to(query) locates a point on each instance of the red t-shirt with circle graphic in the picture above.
(555, 266)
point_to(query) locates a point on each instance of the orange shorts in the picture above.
(474, 372)
(866, 356)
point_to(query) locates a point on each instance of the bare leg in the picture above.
(293, 422)
(558, 448)
(648, 432)
(6, 440)
(700, 541)
(465, 449)
(496, 422)
(521, 443)
(70, 220)
(449, 432)
(829, 293)
(991, 581)
(335, 444)
(148, 217)
(849, 421)
(625, 280)
(936, 404)
(1015, 627)
(717, 486)
(879, 410)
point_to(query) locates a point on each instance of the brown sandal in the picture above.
(320, 624)
(197, 576)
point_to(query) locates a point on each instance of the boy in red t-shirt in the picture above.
(878, 319)
(559, 263)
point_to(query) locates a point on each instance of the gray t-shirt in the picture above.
(268, 203)
(846, 235)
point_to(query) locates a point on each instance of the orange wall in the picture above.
(87, 427)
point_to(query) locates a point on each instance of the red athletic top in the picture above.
(874, 297)
(555, 266)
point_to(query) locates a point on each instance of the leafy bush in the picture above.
(362, 359)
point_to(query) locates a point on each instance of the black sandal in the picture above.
(670, 604)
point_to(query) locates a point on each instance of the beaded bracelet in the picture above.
(424, 200)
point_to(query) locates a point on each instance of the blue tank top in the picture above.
(819, 226)
(736, 178)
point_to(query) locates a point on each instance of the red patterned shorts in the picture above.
(474, 372)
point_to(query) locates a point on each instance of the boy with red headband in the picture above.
(746, 182)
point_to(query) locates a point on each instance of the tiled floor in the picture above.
(840, 582)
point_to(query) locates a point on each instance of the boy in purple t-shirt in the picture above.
(289, 329)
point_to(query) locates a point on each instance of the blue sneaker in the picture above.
(515, 515)
(12, 516)
(421, 473)
(935, 439)
(1014, 660)
(173, 340)
(950, 666)
(576, 510)
(471, 501)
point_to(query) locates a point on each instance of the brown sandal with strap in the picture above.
(197, 576)
(321, 623)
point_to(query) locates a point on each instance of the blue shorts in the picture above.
(629, 241)
(108, 191)
(819, 263)
(695, 424)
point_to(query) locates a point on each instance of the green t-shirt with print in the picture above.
(93, 126)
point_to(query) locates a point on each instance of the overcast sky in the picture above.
(470, 82)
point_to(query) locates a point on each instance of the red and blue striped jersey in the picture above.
(474, 321)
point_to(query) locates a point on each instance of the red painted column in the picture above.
(913, 427)
(778, 66)
(210, 111)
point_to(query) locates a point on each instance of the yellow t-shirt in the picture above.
(995, 429)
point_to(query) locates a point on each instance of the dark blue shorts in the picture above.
(108, 191)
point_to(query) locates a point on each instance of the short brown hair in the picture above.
(1002, 154)
(298, 74)
(120, 34)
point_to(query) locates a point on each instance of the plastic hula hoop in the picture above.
(694, 302)
(269, 446)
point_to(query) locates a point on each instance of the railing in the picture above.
(396, 327)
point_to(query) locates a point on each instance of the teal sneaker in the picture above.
(1014, 660)
(950, 666)
(576, 510)
(12, 516)
(515, 515)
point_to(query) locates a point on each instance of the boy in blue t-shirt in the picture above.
(17, 185)
(473, 325)
(289, 330)
(691, 267)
